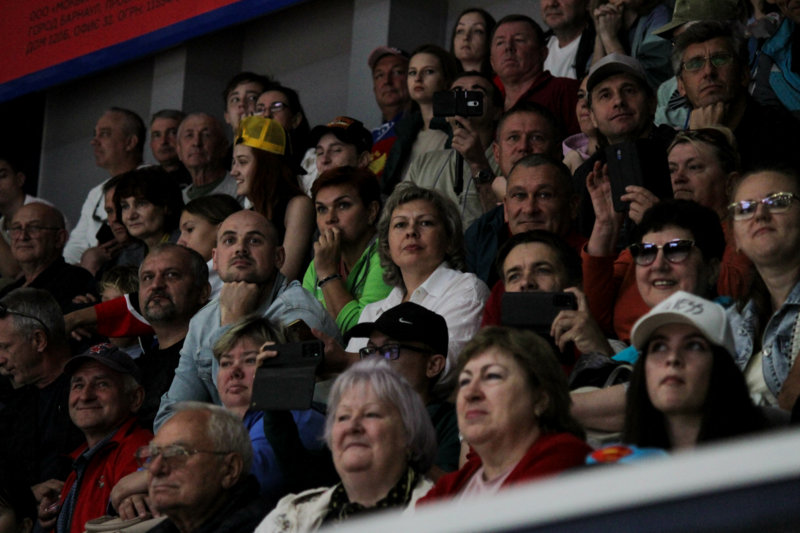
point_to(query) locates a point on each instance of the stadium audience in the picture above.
(105, 394)
(198, 468)
(570, 41)
(118, 145)
(518, 54)
(164, 140)
(766, 225)
(472, 139)
(264, 177)
(203, 150)
(199, 223)
(513, 411)
(241, 95)
(581, 146)
(17, 504)
(430, 69)
(471, 39)
(686, 389)
(711, 62)
(389, 67)
(115, 283)
(343, 142)
(38, 235)
(346, 274)
(373, 406)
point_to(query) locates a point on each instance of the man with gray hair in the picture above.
(202, 146)
(36, 429)
(118, 144)
(710, 60)
(173, 287)
(164, 141)
(198, 473)
(105, 394)
(38, 235)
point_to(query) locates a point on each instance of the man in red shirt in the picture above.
(518, 52)
(105, 395)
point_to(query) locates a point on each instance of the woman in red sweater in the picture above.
(513, 409)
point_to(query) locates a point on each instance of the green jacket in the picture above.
(365, 284)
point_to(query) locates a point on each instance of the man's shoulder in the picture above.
(203, 316)
(490, 222)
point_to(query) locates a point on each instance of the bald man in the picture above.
(38, 236)
(248, 259)
(202, 146)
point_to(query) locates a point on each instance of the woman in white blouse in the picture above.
(421, 246)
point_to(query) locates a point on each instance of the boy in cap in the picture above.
(105, 394)
(342, 142)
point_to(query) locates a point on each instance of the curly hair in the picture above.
(408, 192)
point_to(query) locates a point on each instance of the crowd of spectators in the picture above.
(635, 159)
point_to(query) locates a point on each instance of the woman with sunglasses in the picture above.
(766, 224)
(703, 164)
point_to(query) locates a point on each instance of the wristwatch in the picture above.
(484, 176)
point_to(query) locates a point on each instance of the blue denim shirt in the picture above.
(777, 341)
(196, 375)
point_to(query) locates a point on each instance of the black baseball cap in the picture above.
(110, 356)
(408, 322)
(346, 129)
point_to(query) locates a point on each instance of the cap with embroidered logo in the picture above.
(108, 355)
(408, 322)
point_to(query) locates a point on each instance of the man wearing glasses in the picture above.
(104, 395)
(711, 60)
(198, 473)
(38, 236)
(414, 340)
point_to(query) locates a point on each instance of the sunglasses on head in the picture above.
(676, 251)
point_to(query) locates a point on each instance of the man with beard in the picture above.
(173, 286)
(248, 259)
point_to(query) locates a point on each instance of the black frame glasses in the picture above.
(390, 352)
(779, 202)
(173, 455)
(33, 230)
(4, 310)
(717, 60)
(676, 251)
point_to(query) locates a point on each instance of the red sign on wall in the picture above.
(40, 37)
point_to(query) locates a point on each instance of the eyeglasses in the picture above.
(32, 230)
(389, 351)
(780, 202)
(275, 107)
(4, 311)
(717, 60)
(172, 454)
(674, 251)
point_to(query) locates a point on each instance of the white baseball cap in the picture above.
(685, 308)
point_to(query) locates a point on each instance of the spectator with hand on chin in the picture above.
(346, 274)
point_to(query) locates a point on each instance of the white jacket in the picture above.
(304, 512)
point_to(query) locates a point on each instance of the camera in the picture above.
(457, 104)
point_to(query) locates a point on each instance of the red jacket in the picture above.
(551, 454)
(115, 461)
(119, 318)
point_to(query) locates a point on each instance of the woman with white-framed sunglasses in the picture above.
(765, 217)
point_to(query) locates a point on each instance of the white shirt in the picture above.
(561, 61)
(457, 296)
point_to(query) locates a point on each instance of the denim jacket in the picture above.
(196, 375)
(777, 341)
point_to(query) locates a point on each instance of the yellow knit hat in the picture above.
(262, 133)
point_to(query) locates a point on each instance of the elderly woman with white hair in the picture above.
(382, 442)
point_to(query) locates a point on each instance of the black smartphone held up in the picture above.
(642, 163)
(104, 234)
(536, 311)
(286, 382)
(457, 104)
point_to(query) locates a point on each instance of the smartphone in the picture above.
(642, 163)
(536, 311)
(286, 381)
(458, 103)
(104, 234)
(299, 331)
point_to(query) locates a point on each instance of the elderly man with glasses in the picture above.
(710, 60)
(104, 395)
(198, 476)
(38, 236)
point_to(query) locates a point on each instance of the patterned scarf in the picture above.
(341, 508)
